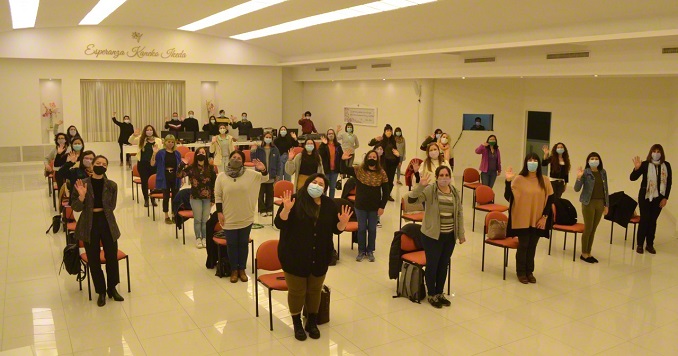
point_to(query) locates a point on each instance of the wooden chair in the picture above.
(267, 260)
(471, 180)
(509, 243)
(577, 228)
(484, 201)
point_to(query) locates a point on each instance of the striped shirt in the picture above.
(446, 206)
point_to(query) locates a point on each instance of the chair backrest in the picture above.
(81, 244)
(189, 157)
(248, 155)
(494, 215)
(135, 171)
(408, 208)
(151, 182)
(183, 150)
(340, 204)
(267, 256)
(407, 243)
(68, 213)
(297, 150)
(484, 195)
(471, 175)
(352, 192)
(281, 186)
(216, 168)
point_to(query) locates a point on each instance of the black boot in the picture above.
(102, 299)
(113, 293)
(312, 326)
(146, 203)
(299, 332)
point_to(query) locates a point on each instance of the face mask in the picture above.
(371, 162)
(190, 115)
(244, 118)
(438, 136)
(200, 157)
(149, 133)
(222, 131)
(477, 124)
(99, 170)
(87, 163)
(434, 154)
(77, 147)
(443, 140)
(444, 181)
(492, 143)
(213, 121)
(398, 133)
(593, 163)
(656, 156)
(221, 114)
(61, 141)
(532, 166)
(308, 117)
(283, 133)
(72, 132)
(330, 137)
(314, 190)
(309, 147)
(175, 117)
(560, 151)
(349, 129)
(127, 121)
(235, 163)
(380, 152)
(267, 140)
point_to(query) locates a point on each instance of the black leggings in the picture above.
(102, 232)
(649, 213)
(145, 171)
(266, 197)
(127, 156)
(172, 187)
(390, 167)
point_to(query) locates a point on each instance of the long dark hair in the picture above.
(555, 161)
(206, 166)
(594, 154)
(77, 133)
(524, 172)
(364, 165)
(656, 146)
(82, 155)
(61, 134)
(334, 141)
(81, 142)
(385, 139)
(496, 145)
(313, 155)
(304, 204)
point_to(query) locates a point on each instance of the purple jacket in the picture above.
(484, 162)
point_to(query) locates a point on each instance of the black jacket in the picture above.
(212, 129)
(285, 143)
(306, 246)
(243, 127)
(126, 130)
(324, 152)
(175, 122)
(394, 261)
(621, 208)
(635, 174)
(190, 125)
(367, 197)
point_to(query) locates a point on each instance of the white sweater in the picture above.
(238, 197)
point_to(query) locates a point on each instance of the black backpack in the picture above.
(71, 261)
(566, 214)
(56, 224)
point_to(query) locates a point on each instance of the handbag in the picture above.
(496, 230)
(324, 310)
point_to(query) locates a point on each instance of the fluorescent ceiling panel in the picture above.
(343, 14)
(230, 14)
(24, 13)
(100, 11)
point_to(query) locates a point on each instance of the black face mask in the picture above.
(99, 170)
(200, 158)
(371, 162)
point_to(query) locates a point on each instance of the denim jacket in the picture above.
(588, 181)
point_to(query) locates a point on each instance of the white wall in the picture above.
(292, 98)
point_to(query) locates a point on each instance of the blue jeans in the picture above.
(438, 254)
(281, 168)
(332, 176)
(488, 178)
(201, 213)
(367, 230)
(237, 241)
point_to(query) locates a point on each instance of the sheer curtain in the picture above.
(145, 101)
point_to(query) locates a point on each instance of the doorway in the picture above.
(538, 133)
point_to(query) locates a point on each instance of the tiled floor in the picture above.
(624, 305)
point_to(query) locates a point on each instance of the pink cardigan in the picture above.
(484, 161)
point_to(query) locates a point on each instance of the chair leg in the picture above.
(129, 283)
(132, 188)
(574, 248)
(449, 276)
(153, 209)
(82, 264)
(270, 308)
(338, 246)
(252, 253)
(256, 296)
(462, 193)
(137, 193)
(219, 263)
(550, 240)
(505, 261)
(611, 230)
(565, 241)
(89, 288)
(633, 242)
(183, 230)
(474, 218)
(54, 199)
(482, 268)
(626, 232)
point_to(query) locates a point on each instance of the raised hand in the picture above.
(115, 113)
(61, 149)
(290, 154)
(509, 174)
(137, 132)
(485, 144)
(72, 157)
(323, 138)
(347, 154)
(166, 119)
(580, 172)
(396, 153)
(59, 122)
(345, 214)
(259, 165)
(415, 166)
(81, 188)
(636, 163)
(294, 136)
(545, 148)
(379, 138)
(214, 139)
(424, 179)
(338, 128)
(288, 201)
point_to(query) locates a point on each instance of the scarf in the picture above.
(235, 173)
(652, 174)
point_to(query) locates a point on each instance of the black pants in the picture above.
(438, 253)
(649, 213)
(145, 171)
(390, 167)
(266, 197)
(558, 188)
(172, 187)
(127, 156)
(527, 247)
(101, 232)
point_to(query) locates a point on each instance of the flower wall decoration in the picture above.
(137, 36)
(210, 107)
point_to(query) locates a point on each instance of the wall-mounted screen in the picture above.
(478, 122)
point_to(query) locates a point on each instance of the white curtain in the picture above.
(146, 102)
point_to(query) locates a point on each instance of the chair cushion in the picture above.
(414, 216)
(634, 220)
(158, 195)
(578, 228)
(271, 281)
(71, 226)
(509, 242)
(102, 259)
(277, 201)
(492, 207)
(187, 214)
(219, 241)
(351, 197)
(418, 257)
(136, 180)
(249, 164)
(472, 185)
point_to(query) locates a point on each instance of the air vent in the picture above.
(567, 55)
(480, 60)
(381, 65)
(348, 67)
(322, 69)
(670, 50)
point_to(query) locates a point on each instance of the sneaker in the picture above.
(198, 243)
(361, 257)
(378, 223)
(370, 256)
(203, 243)
(263, 214)
(168, 221)
(433, 300)
(443, 301)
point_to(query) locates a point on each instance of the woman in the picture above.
(330, 152)
(372, 192)
(595, 200)
(430, 165)
(202, 176)
(147, 145)
(72, 133)
(446, 150)
(391, 156)
(655, 189)
(211, 127)
(559, 159)
(167, 162)
(490, 163)
(126, 130)
(222, 146)
(78, 166)
(235, 193)
(348, 140)
(58, 156)
(443, 223)
(307, 223)
(95, 198)
(437, 134)
(401, 147)
(270, 156)
(530, 196)
(284, 143)
(304, 164)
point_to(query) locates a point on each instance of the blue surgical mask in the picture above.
(77, 147)
(267, 140)
(314, 190)
(532, 166)
(309, 147)
(349, 129)
(438, 136)
(594, 163)
(398, 133)
(283, 133)
(560, 151)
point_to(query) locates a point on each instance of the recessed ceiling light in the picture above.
(24, 13)
(463, 77)
(342, 14)
(595, 75)
(229, 14)
(100, 11)
(384, 79)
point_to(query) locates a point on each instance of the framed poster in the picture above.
(360, 115)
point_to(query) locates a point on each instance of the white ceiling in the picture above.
(427, 28)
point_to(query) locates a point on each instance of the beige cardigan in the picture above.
(293, 165)
(134, 140)
(215, 148)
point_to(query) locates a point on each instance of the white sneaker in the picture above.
(202, 243)
(198, 243)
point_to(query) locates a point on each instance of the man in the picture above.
(307, 126)
(191, 124)
(174, 124)
(478, 126)
(244, 126)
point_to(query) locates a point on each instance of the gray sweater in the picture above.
(431, 223)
